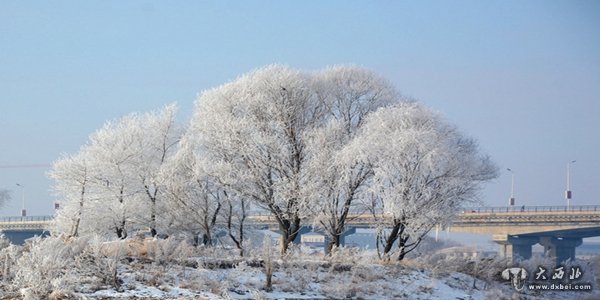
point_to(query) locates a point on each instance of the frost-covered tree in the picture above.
(199, 201)
(348, 94)
(81, 186)
(114, 151)
(253, 131)
(114, 180)
(4, 197)
(71, 175)
(339, 181)
(194, 198)
(424, 170)
(307, 147)
(157, 142)
(235, 213)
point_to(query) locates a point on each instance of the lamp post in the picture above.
(568, 193)
(511, 200)
(23, 211)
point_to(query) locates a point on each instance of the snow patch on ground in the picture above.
(310, 281)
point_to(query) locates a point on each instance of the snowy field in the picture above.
(53, 268)
(309, 281)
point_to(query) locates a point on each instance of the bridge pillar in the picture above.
(560, 248)
(515, 247)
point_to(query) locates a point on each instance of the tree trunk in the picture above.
(239, 240)
(289, 232)
(121, 232)
(268, 262)
(402, 245)
(283, 243)
(75, 231)
(196, 239)
(269, 276)
(335, 242)
(340, 224)
(391, 239)
(153, 219)
(152, 197)
(206, 239)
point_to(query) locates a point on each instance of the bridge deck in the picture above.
(520, 220)
(25, 223)
(540, 215)
(480, 220)
(519, 209)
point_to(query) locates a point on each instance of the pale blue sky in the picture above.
(522, 77)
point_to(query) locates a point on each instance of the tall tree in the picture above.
(194, 198)
(424, 171)
(348, 94)
(157, 142)
(121, 164)
(253, 130)
(73, 181)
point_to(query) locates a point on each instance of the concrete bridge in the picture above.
(18, 229)
(559, 229)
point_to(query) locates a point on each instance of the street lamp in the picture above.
(568, 193)
(23, 211)
(511, 200)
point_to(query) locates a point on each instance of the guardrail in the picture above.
(517, 209)
(25, 219)
(258, 215)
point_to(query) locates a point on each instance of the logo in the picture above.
(559, 278)
(517, 276)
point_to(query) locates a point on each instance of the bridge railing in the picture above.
(25, 219)
(504, 209)
(497, 209)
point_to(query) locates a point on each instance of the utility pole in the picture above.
(511, 200)
(23, 211)
(568, 193)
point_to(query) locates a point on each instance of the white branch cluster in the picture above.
(310, 148)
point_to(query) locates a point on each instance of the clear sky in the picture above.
(522, 77)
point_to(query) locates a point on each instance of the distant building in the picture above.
(313, 240)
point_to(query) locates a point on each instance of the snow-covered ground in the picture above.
(55, 268)
(296, 281)
(310, 279)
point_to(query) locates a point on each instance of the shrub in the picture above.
(39, 268)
